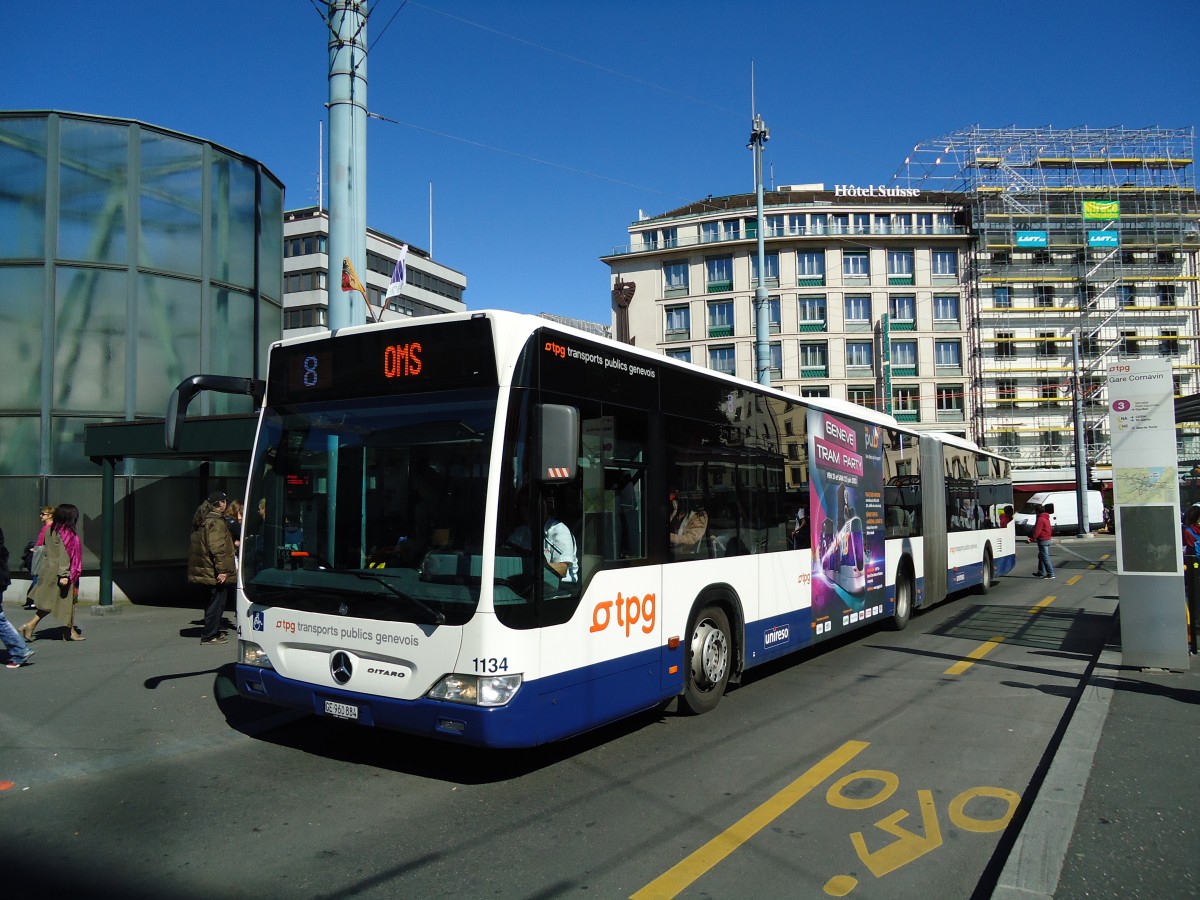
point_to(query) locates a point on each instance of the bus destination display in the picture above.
(387, 361)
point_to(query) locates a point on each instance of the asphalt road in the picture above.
(886, 765)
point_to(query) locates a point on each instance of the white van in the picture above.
(1064, 512)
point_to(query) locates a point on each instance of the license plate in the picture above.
(341, 710)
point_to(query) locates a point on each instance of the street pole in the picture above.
(1081, 467)
(759, 135)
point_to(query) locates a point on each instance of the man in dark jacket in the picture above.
(212, 562)
(1041, 534)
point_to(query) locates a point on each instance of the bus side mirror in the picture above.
(558, 427)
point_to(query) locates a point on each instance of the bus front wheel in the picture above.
(709, 659)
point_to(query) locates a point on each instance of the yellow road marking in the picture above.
(676, 879)
(1042, 605)
(978, 653)
(1074, 579)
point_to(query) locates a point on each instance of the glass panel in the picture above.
(66, 452)
(20, 445)
(21, 311)
(270, 261)
(93, 175)
(90, 341)
(168, 347)
(23, 200)
(229, 339)
(232, 240)
(170, 204)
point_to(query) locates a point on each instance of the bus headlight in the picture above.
(250, 654)
(477, 690)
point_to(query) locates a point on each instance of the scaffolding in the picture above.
(1080, 232)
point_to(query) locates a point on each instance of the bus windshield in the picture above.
(370, 508)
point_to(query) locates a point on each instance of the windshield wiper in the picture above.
(438, 616)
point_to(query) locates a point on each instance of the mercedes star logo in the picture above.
(340, 667)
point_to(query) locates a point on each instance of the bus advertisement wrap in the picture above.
(846, 500)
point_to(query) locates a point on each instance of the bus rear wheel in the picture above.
(989, 572)
(904, 600)
(709, 660)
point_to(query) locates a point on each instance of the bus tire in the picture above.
(709, 659)
(904, 599)
(989, 571)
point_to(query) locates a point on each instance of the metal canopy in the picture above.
(213, 438)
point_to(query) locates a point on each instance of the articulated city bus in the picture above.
(692, 526)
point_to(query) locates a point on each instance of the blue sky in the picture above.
(545, 127)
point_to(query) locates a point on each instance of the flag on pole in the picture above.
(350, 280)
(399, 274)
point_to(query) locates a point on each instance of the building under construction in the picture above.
(1086, 243)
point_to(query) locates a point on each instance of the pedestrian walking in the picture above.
(1040, 535)
(211, 562)
(57, 590)
(18, 650)
(34, 551)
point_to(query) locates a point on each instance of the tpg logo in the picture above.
(258, 620)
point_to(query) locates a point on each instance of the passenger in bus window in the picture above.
(688, 526)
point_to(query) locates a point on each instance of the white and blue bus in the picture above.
(693, 526)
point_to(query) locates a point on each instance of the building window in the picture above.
(1089, 345)
(679, 323)
(905, 399)
(903, 308)
(862, 395)
(773, 319)
(721, 359)
(902, 223)
(720, 319)
(1005, 349)
(305, 317)
(675, 279)
(305, 281)
(776, 364)
(950, 398)
(839, 223)
(814, 356)
(719, 270)
(810, 265)
(904, 355)
(776, 226)
(1006, 389)
(862, 223)
(943, 224)
(1166, 294)
(1129, 343)
(814, 391)
(858, 310)
(858, 354)
(945, 263)
(947, 354)
(900, 263)
(726, 230)
(856, 263)
(1045, 296)
(818, 223)
(1047, 346)
(1002, 297)
(683, 355)
(305, 245)
(945, 308)
(772, 261)
(1047, 391)
(812, 310)
(924, 223)
(1125, 295)
(1168, 344)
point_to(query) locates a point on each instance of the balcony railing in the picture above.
(814, 371)
(787, 232)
